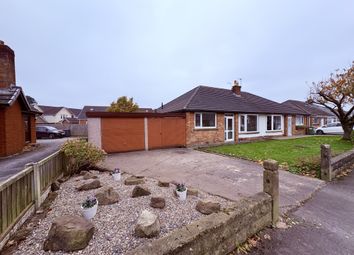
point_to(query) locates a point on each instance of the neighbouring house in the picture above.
(17, 116)
(56, 114)
(217, 115)
(202, 116)
(316, 115)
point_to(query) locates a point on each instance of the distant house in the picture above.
(89, 108)
(56, 114)
(316, 115)
(17, 116)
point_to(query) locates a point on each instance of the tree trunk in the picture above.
(348, 129)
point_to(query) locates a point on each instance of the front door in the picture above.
(229, 127)
(290, 126)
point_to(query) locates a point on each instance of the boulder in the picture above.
(148, 225)
(55, 186)
(163, 183)
(134, 180)
(107, 196)
(69, 233)
(157, 202)
(89, 175)
(139, 191)
(87, 185)
(208, 206)
(192, 192)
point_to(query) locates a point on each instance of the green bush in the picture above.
(310, 166)
(81, 155)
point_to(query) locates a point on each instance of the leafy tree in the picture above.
(337, 94)
(123, 104)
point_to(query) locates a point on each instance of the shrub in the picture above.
(309, 166)
(81, 155)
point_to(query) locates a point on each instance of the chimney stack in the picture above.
(236, 88)
(7, 66)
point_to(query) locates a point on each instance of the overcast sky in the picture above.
(76, 53)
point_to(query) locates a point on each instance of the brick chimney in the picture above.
(7, 66)
(236, 88)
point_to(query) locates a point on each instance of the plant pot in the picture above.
(89, 213)
(181, 195)
(116, 176)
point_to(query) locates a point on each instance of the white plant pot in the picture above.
(181, 195)
(117, 176)
(89, 213)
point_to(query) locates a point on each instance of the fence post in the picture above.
(37, 185)
(326, 162)
(271, 186)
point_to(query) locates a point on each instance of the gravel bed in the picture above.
(114, 224)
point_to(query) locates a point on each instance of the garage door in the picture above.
(166, 132)
(122, 134)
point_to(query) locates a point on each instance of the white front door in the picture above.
(229, 127)
(290, 126)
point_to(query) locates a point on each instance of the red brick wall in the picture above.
(204, 136)
(33, 129)
(2, 133)
(12, 128)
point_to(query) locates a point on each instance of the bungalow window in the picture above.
(248, 123)
(274, 123)
(316, 120)
(299, 120)
(205, 120)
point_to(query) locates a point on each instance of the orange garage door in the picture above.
(166, 132)
(122, 134)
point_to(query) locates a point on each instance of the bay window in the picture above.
(248, 123)
(205, 120)
(274, 123)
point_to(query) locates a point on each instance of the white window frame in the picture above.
(201, 120)
(272, 122)
(303, 120)
(246, 117)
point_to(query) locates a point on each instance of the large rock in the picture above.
(157, 202)
(148, 225)
(192, 192)
(89, 175)
(140, 191)
(208, 206)
(163, 183)
(107, 196)
(69, 233)
(55, 186)
(87, 185)
(134, 180)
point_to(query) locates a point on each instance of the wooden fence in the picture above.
(26, 191)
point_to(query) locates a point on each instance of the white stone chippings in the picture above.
(115, 224)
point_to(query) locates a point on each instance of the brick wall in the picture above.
(33, 129)
(7, 66)
(299, 130)
(2, 132)
(196, 137)
(12, 129)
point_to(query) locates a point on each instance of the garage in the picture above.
(122, 132)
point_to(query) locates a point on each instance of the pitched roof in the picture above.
(90, 108)
(75, 111)
(9, 95)
(306, 108)
(50, 110)
(203, 98)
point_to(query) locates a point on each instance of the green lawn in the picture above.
(300, 155)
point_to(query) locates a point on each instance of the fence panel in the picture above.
(16, 197)
(17, 194)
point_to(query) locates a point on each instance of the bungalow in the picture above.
(56, 114)
(17, 116)
(317, 115)
(216, 115)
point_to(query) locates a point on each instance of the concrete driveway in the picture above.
(220, 175)
(12, 165)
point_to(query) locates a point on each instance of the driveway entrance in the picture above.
(224, 176)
